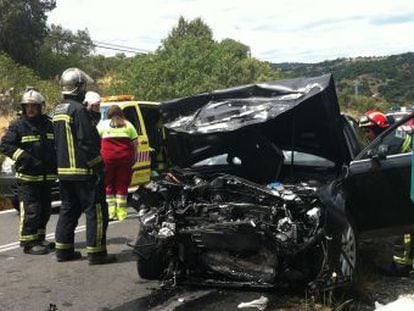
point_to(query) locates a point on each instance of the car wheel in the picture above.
(348, 251)
(151, 268)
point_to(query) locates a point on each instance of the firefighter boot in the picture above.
(49, 245)
(35, 249)
(63, 255)
(101, 258)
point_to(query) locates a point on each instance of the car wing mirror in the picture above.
(371, 153)
(381, 153)
(236, 161)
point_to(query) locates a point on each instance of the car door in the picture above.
(378, 183)
(142, 168)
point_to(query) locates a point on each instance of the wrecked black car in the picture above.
(249, 201)
(271, 183)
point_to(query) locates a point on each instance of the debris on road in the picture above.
(259, 304)
(403, 303)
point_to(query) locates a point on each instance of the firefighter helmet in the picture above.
(374, 118)
(33, 96)
(74, 82)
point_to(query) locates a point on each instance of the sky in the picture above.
(275, 30)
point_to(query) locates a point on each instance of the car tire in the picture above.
(345, 251)
(151, 268)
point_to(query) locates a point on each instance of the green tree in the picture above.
(23, 27)
(190, 61)
(17, 77)
(62, 49)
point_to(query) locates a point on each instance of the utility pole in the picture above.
(356, 85)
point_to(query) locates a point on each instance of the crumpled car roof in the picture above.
(298, 114)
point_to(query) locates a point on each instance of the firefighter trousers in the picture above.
(78, 197)
(404, 252)
(35, 208)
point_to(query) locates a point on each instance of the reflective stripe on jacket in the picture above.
(77, 141)
(30, 143)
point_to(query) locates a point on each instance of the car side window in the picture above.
(398, 140)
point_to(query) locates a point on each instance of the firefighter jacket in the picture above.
(30, 143)
(77, 142)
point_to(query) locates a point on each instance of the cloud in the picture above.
(278, 31)
(330, 22)
(398, 18)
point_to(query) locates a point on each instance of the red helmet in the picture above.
(373, 118)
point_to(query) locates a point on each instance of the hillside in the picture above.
(390, 78)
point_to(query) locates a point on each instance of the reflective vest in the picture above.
(116, 145)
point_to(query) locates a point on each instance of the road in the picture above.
(41, 283)
(38, 282)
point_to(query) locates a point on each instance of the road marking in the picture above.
(15, 245)
(11, 210)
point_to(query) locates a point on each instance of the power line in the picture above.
(117, 49)
(121, 46)
(104, 45)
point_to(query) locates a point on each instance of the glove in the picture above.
(100, 176)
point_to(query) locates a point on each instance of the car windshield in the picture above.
(299, 158)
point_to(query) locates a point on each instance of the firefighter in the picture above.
(80, 170)
(30, 142)
(374, 123)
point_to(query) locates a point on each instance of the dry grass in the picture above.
(4, 124)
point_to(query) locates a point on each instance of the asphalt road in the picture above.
(41, 283)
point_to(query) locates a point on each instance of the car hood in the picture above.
(298, 114)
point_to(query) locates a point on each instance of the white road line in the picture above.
(8, 211)
(11, 210)
(15, 245)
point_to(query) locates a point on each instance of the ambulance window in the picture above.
(131, 115)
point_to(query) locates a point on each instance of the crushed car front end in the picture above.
(244, 206)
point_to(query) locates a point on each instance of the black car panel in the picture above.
(299, 114)
(378, 186)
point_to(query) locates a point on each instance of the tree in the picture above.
(62, 49)
(23, 27)
(17, 77)
(189, 61)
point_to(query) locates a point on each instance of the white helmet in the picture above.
(32, 96)
(91, 98)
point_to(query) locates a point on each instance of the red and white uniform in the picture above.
(118, 154)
